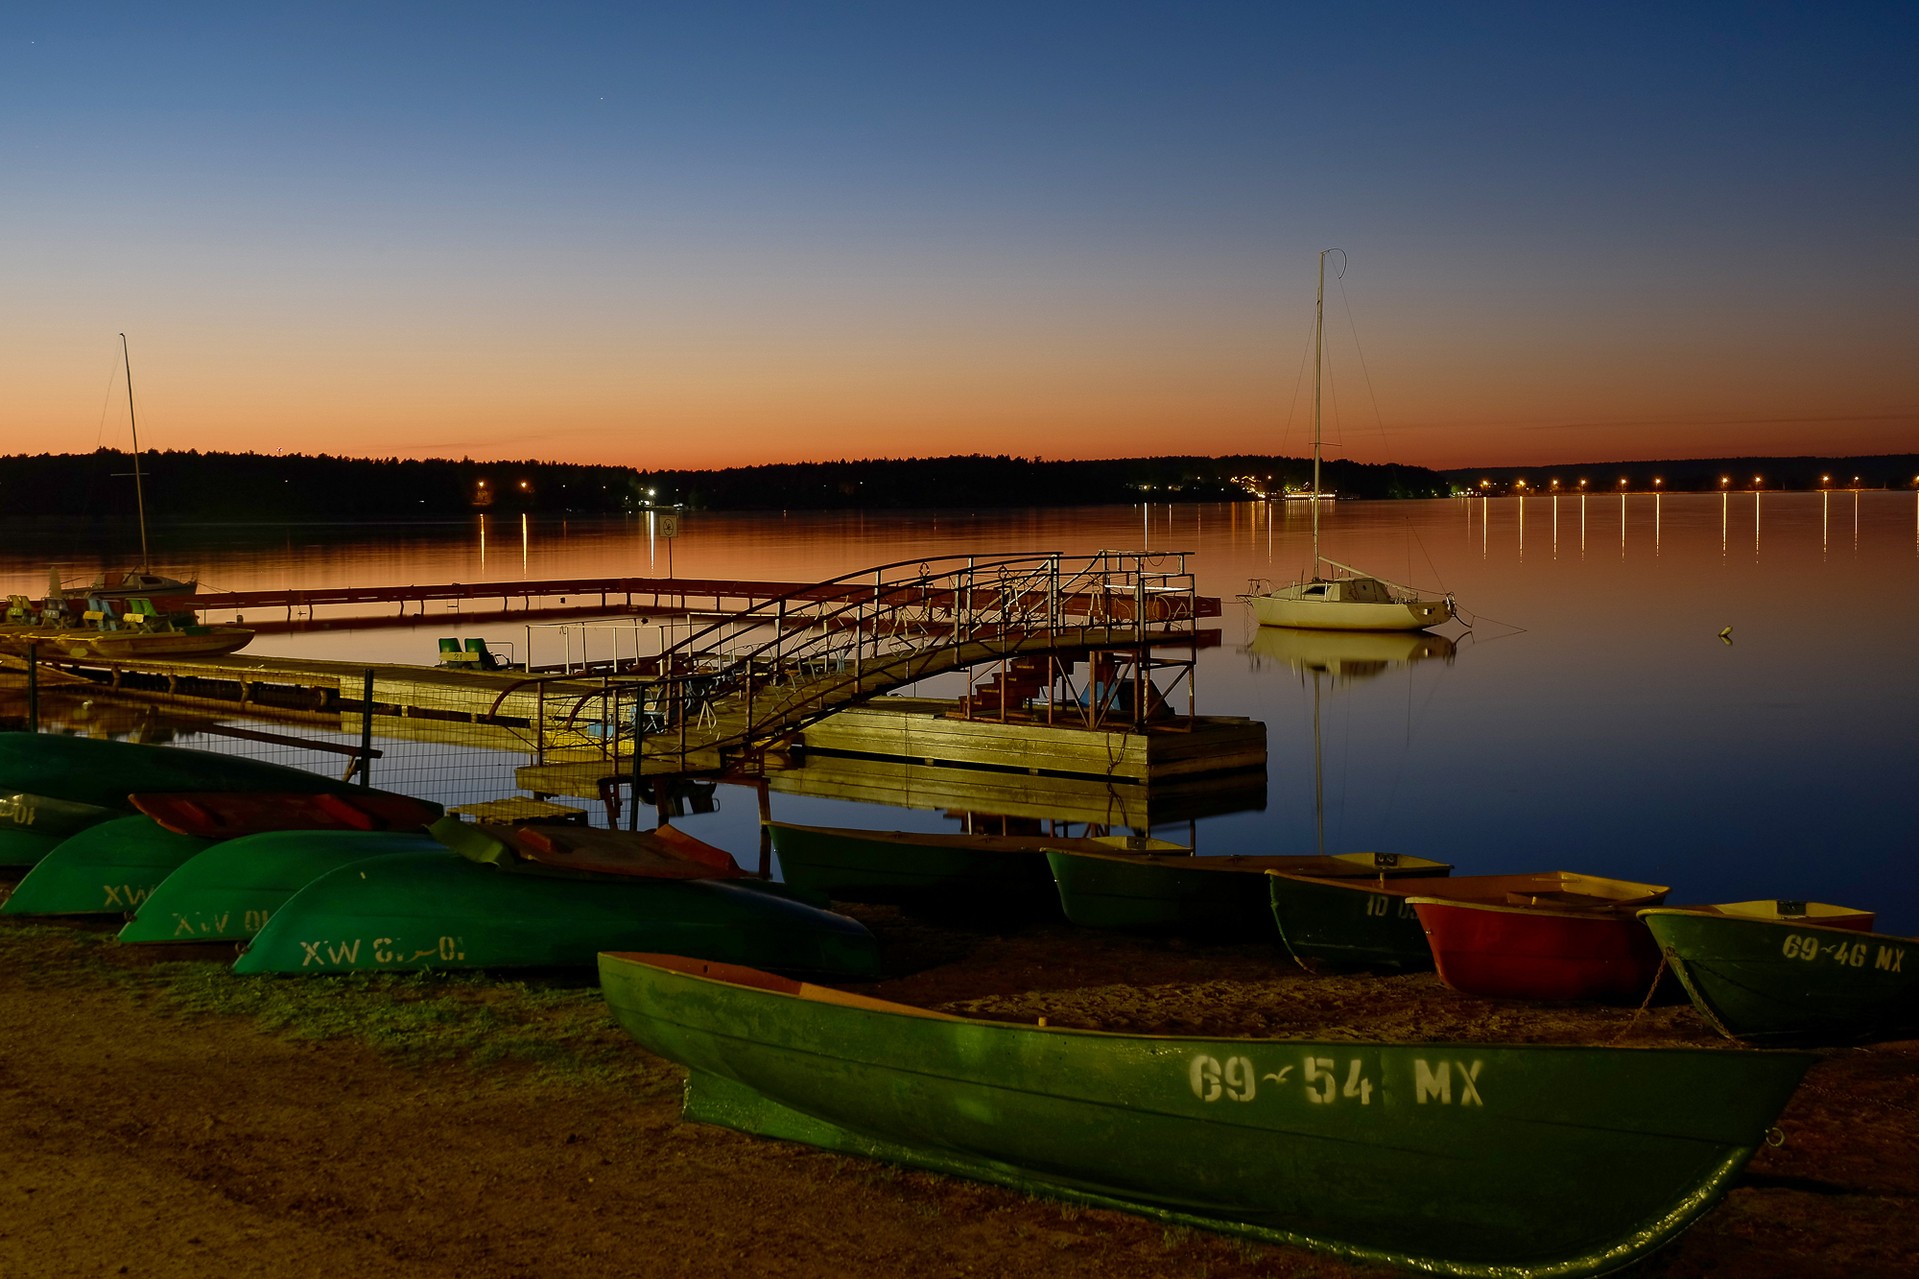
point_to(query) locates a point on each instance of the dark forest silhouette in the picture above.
(191, 487)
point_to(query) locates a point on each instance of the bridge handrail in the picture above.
(826, 637)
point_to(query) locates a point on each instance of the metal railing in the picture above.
(729, 689)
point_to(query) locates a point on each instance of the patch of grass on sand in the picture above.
(562, 1033)
(556, 1031)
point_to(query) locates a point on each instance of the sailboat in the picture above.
(139, 583)
(1350, 600)
(122, 615)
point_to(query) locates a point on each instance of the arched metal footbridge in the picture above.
(1086, 638)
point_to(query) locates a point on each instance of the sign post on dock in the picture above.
(667, 523)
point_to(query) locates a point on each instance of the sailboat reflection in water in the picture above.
(1343, 657)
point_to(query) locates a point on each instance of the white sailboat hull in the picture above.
(1358, 604)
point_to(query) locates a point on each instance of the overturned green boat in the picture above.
(228, 891)
(54, 786)
(441, 910)
(1464, 1159)
(108, 868)
(104, 772)
(1216, 897)
(1790, 979)
(32, 825)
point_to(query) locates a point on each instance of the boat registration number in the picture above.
(1328, 1081)
(1805, 947)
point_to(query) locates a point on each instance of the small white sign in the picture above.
(667, 524)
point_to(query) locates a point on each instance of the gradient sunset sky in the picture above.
(714, 234)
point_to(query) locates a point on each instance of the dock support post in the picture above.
(766, 827)
(366, 728)
(639, 749)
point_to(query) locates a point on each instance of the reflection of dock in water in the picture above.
(906, 752)
(927, 730)
(1005, 793)
(915, 753)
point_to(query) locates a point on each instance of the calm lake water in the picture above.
(1592, 718)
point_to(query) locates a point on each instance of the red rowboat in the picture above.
(565, 851)
(1582, 940)
(231, 814)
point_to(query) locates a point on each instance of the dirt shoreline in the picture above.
(139, 1136)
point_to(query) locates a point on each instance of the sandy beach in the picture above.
(143, 1132)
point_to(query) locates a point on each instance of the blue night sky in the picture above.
(716, 234)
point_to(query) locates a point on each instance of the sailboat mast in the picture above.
(1319, 331)
(139, 492)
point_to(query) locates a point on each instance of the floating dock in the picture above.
(915, 752)
(480, 603)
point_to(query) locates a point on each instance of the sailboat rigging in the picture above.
(125, 615)
(139, 490)
(1350, 600)
(132, 614)
(141, 581)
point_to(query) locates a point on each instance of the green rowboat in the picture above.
(945, 874)
(1216, 897)
(99, 771)
(31, 825)
(440, 910)
(1464, 1159)
(228, 891)
(1330, 925)
(106, 869)
(1791, 978)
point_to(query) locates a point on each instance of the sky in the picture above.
(671, 235)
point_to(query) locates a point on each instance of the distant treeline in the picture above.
(192, 487)
(976, 481)
(234, 487)
(1700, 475)
(185, 487)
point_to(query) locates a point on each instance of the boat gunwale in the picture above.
(1256, 864)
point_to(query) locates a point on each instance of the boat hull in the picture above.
(438, 910)
(102, 772)
(1462, 1159)
(1511, 952)
(1335, 926)
(228, 891)
(665, 852)
(106, 869)
(1216, 897)
(1292, 607)
(31, 826)
(81, 642)
(933, 873)
(1763, 979)
(1329, 926)
(233, 814)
